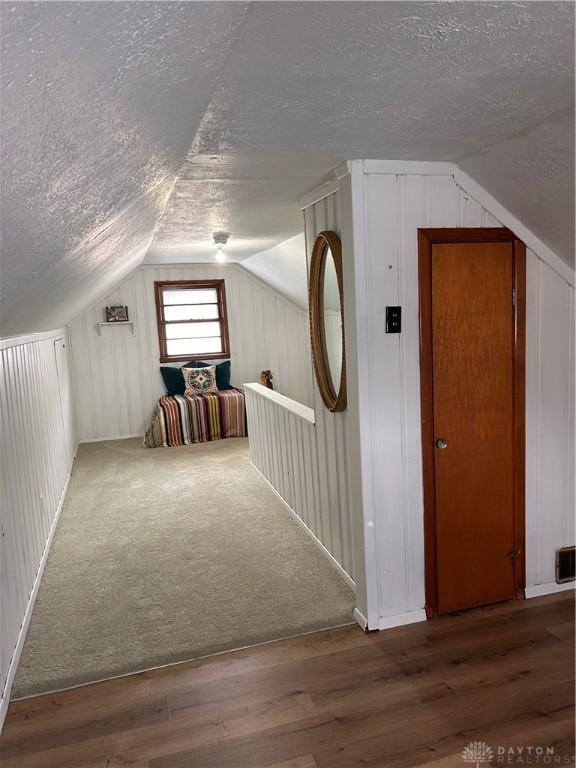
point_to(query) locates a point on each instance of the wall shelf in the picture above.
(99, 326)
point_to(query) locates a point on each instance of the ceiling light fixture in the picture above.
(220, 240)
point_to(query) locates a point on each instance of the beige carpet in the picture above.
(168, 554)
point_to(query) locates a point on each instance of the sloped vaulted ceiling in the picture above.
(489, 85)
(105, 103)
(100, 104)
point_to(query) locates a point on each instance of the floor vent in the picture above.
(565, 558)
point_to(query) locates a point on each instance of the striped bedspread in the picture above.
(186, 419)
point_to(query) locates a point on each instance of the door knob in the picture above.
(440, 443)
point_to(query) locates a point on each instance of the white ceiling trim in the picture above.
(320, 193)
(466, 184)
(30, 338)
(394, 167)
(409, 167)
(507, 219)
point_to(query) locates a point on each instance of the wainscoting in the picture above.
(306, 466)
(38, 442)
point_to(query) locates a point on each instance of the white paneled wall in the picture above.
(38, 442)
(309, 463)
(289, 450)
(385, 211)
(117, 373)
(549, 422)
(396, 207)
(336, 469)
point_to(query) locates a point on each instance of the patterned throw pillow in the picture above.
(200, 381)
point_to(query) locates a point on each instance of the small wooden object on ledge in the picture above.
(266, 379)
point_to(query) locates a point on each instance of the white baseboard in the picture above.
(112, 437)
(360, 619)
(347, 578)
(5, 700)
(549, 589)
(387, 622)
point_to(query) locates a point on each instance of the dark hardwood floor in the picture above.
(415, 695)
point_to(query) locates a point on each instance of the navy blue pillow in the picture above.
(174, 381)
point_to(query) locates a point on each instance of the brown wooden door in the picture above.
(472, 376)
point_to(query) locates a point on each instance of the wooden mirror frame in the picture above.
(334, 401)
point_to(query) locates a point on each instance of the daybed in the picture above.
(184, 416)
(186, 419)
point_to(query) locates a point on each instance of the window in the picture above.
(192, 320)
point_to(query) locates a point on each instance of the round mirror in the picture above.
(327, 320)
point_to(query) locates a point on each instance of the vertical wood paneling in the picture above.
(549, 419)
(118, 374)
(394, 207)
(286, 449)
(533, 418)
(567, 399)
(412, 212)
(385, 388)
(38, 440)
(329, 490)
(324, 449)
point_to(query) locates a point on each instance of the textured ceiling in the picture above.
(253, 195)
(323, 82)
(532, 174)
(100, 104)
(104, 102)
